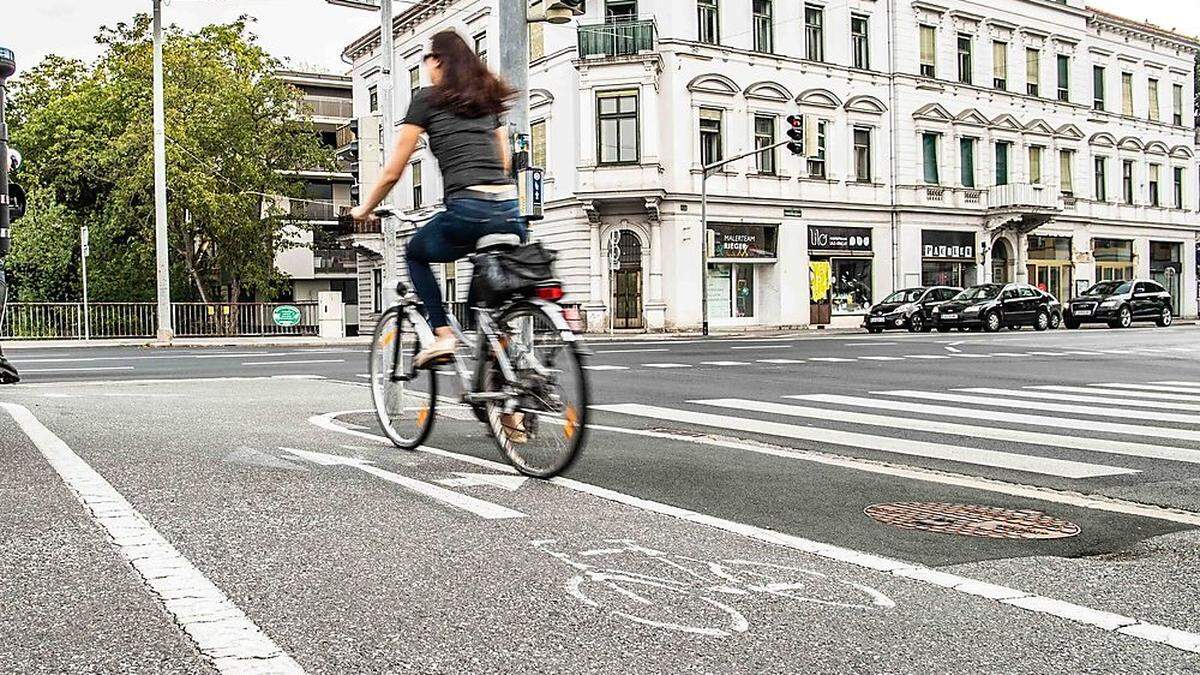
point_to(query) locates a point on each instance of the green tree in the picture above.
(235, 134)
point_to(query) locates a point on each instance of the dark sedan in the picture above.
(911, 309)
(991, 307)
(1120, 304)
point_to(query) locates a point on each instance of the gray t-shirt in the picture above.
(465, 147)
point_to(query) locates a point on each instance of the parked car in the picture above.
(991, 307)
(1120, 304)
(911, 309)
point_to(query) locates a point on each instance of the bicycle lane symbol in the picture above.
(695, 596)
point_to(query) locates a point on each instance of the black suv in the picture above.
(1120, 303)
(911, 308)
(991, 307)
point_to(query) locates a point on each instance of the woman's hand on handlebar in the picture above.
(362, 214)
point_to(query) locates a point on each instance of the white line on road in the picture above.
(757, 347)
(1079, 614)
(724, 363)
(900, 446)
(1077, 398)
(973, 356)
(1150, 387)
(997, 416)
(633, 351)
(1180, 384)
(1085, 410)
(927, 357)
(1045, 354)
(881, 358)
(971, 431)
(603, 368)
(292, 363)
(872, 344)
(1154, 395)
(781, 362)
(478, 507)
(221, 631)
(74, 370)
(830, 359)
(666, 365)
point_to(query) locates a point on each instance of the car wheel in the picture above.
(992, 322)
(1042, 322)
(1124, 319)
(916, 324)
(1056, 321)
(1071, 324)
(1166, 318)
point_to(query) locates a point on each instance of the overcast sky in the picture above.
(313, 33)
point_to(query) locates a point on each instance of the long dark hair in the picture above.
(467, 88)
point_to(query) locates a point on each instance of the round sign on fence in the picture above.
(287, 316)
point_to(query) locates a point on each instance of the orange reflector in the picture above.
(422, 415)
(572, 422)
(388, 337)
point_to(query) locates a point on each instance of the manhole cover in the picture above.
(972, 520)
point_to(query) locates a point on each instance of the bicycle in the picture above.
(523, 377)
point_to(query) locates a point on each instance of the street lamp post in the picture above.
(162, 265)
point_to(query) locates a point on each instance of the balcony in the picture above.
(315, 211)
(623, 38)
(327, 106)
(347, 227)
(1022, 207)
(335, 261)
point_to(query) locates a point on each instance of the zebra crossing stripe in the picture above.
(1181, 384)
(831, 359)
(603, 368)
(970, 431)
(1007, 417)
(900, 446)
(1155, 395)
(1086, 410)
(1079, 398)
(666, 365)
(1151, 387)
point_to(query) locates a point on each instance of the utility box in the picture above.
(331, 315)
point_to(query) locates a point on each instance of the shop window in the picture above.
(731, 291)
(851, 285)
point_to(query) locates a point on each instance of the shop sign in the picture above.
(742, 241)
(840, 239)
(940, 245)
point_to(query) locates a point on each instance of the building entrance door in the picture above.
(627, 283)
(1001, 263)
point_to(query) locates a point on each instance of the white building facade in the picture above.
(958, 142)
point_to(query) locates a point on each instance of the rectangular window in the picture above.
(1155, 174)
(764, 26)
(1002, 163)
(1127, 94)
(1179, 175)
(617, 119)
(860, 38)
(764, 137)
(373, 98)
(1152, 93)
(1177, 104)
(1066, 172)
(966, 59)
(816, 165)
(1100, 189)
(417, 185)
(537, 33)
(966, 154)
(481, 47)
(709, 21)
(1064, 78)
(377, 290)
(1035, 164)
(862, 155)
(929, 153)
(928, 51)
(1033, 72)
(814, 33)
(414, 80)
(710, 136)
(1098, 87)
(537, 144)
(1000, 65)
(1127, 180)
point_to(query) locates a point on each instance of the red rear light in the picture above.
(550, 293)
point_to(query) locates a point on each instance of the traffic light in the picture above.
(795, 133)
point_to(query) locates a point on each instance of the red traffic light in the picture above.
(795, 133)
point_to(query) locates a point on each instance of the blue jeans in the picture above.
(450, 236)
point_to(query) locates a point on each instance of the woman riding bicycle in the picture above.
(461, 114)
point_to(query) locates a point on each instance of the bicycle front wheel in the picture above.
(405, 398)
(541, 423)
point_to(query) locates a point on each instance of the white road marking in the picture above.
(724, 363)
(633, 351)
(497, 480)
(1121, 352)
(180, 380)
(1083, 353)
(1150, 387)
(954, 349)
(781, 362)
(1180, 384)
(222, 633)
(871, 344)
(973, 356)
(666, 365)
(1045, 353)
(927, 357)
(901, 446)
(1181, 640)
(292, 363)
(605, 368)
(756, 347)
(1059, 396)
(486, 510)
(1154, 395)
(880, 358)
(1012, 355)
(36, 371)
(1012, 418)
(971, 431)
(831, 359)
(1086, 410)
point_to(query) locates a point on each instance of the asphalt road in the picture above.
(715, 523)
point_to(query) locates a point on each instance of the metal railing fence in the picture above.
(65, 321)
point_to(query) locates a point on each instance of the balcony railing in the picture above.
(334, 261)
(325, 106)
(347, 226)
(317, 211)
(1024, 196)
(623, 38)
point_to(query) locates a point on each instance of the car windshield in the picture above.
(910, 295)
(980, 292)
(1106, 288)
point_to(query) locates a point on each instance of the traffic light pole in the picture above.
(166, 331)
(387, 88)
(708, 171)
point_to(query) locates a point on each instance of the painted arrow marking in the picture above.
(506, 483)
(478, 507)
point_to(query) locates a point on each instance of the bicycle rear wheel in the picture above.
(405, 398)
(541, 424)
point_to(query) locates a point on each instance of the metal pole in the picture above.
(7, 68)
(162, 263)
(84, 250)
(704, 253)
(387, 88)
(514, 62)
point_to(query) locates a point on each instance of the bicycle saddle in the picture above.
(493, 241)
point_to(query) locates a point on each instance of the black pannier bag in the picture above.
(500, 275)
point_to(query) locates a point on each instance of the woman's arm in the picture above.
(502, 148)
(393, 170)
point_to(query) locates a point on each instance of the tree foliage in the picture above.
(235, 132)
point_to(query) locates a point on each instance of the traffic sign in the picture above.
(287, 316)
(85, 245)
